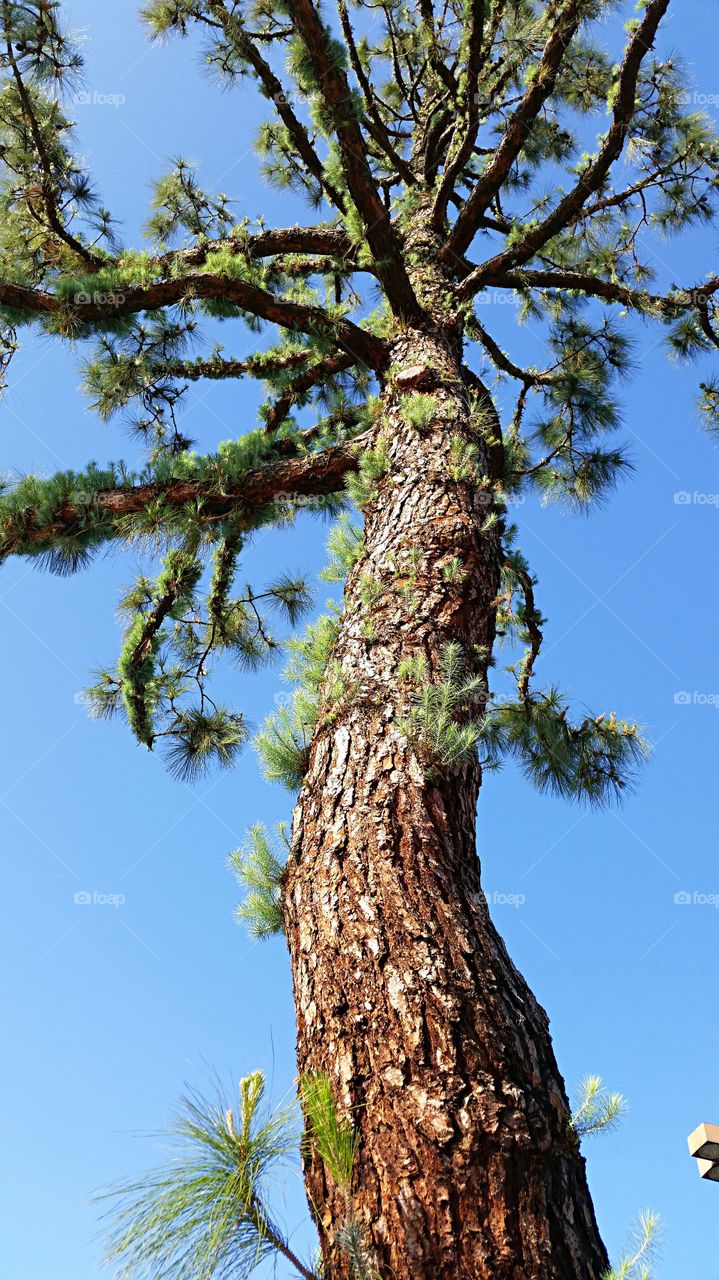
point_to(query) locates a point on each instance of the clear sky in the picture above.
(109, 1010)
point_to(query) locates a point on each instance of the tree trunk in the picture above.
(406, 998)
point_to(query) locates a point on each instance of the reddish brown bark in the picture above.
(405, 994)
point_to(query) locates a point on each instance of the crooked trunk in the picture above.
(436, 1049)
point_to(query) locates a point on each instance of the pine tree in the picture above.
(449, 155)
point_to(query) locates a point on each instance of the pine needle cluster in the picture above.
(259, 867)
(205, 1213)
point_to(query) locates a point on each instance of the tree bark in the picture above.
(406, 998)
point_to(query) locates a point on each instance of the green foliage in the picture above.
(168, 647)
(291, 596)
(518, 617)
(463, 458)
(136, 368)
(335, 1141)
(50, 216)
(373, 465)
(260, 869)
(709, 406)
(596, 1110)
(201, 740)
(573, 466)
(283, 742)
(352, 1239)
(593, 760)
(432, 727)
(311, 652)
(637, 1263)
(452, 570)
(370, 590)
(204, 1213)
(418, 410)
(166, 599)
(346, 547)
(180, 205)
(33, 503)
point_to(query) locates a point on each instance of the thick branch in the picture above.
(294, 316)
(275, 90)
(216, 367)
(374, 124)
(465, 133)
(322, 240)
(445, 73)
(313, 475)
(595, 172)
(520, 123)
(668, 304)
(337, 96)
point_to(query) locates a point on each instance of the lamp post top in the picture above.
(704, 1146)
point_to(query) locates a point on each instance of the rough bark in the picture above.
(405, 994)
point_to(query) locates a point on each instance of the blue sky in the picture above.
(109, 1009)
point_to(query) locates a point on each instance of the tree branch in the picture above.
(274, 90)
(327, 240)
(374, 124)
(312, 475)
(520, 122)
(92, 262)
(338, 99)
(437, 63)
(317, 373)
(595, 172)
(530, 377)
(293, 316)
(675, 302)
(466, 129)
